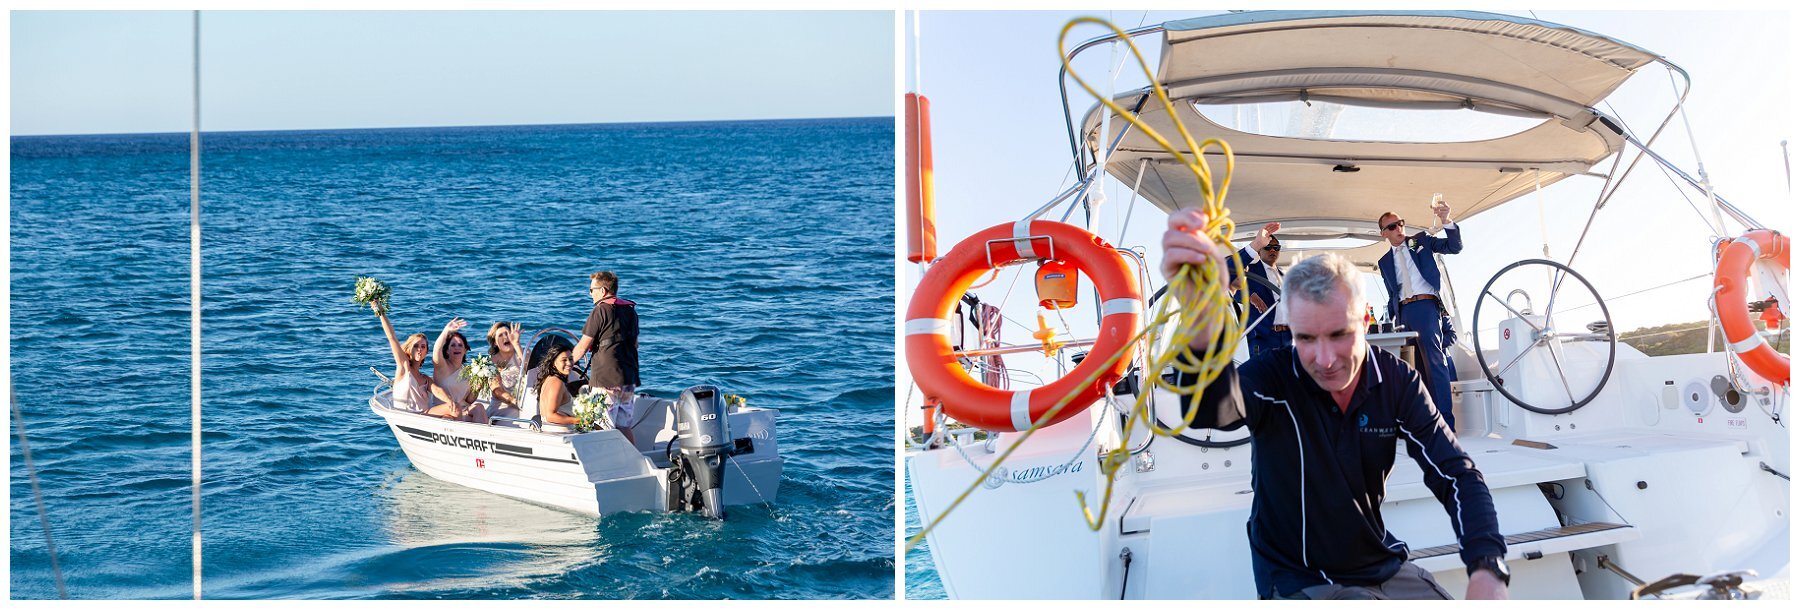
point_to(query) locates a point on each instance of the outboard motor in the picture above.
(703, 431)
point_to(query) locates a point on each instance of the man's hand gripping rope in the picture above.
(1200, 295)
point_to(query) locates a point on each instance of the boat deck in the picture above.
(1176, 505)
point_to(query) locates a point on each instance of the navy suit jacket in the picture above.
(1421, 246)
(1254, 266)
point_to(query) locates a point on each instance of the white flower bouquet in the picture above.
(480, 374)
(590, 410)
(373, 293)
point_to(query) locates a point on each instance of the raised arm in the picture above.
(393, 342)
(437, 347)
(1451, 242)
(1221, 403)
(518, 352)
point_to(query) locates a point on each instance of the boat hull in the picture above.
(594, 473)
(1639, 480)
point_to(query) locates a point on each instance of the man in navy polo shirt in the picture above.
(1325, 414)
(1411, 275)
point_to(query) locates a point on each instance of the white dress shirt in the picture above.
(1411, 282)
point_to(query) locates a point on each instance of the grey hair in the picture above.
(1317, 278)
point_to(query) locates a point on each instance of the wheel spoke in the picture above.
(1559, 372)
(1515, 360)
(1514, 312)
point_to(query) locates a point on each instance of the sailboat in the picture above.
(1615, 474)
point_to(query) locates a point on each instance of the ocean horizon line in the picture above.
(425, 127)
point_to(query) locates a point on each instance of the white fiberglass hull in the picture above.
(595, 473)
(1634, 478)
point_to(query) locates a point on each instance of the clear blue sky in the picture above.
(130, 72)
(1001, 149)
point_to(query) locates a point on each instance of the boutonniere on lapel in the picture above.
(1413, 245)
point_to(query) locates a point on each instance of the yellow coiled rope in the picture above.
(1199, 302)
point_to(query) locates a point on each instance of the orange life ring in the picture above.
(1730, 300)
(934, 365)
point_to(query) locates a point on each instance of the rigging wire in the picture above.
(1622, 296)
(1678, 188)
(1787, 167)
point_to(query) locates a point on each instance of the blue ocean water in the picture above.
(760, 254)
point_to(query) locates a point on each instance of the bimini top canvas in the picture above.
(1336, 117)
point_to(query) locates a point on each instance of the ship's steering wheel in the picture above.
(1547, 335)
(1233, 438)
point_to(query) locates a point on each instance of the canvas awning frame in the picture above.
(1373, 86)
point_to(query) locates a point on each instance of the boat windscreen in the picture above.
(542, 349)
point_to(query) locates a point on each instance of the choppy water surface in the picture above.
(922, 580)
(759, 252)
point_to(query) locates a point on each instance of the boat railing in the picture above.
(528, 423)
(385, 381)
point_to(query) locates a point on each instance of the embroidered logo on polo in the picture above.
(1362, 422)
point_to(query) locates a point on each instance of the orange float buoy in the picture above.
(921, 209)
(1731, 303)
(1057, 285)
(1771, 317)
(933, 361)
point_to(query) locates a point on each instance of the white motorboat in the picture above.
(691, 453)
(1610, 469)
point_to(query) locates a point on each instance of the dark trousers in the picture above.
(1434, 364)
(1411, 582)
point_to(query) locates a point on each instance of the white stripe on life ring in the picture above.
(1022, 239)
(1021, 409)
(1755, 250)
(1749, 344)
(1113, 306)
(928, 326)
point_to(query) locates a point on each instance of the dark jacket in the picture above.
(1255, 267)
(1421, 246)
(1320, 475)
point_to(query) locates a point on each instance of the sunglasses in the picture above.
(1272, 248)
(1393, 225)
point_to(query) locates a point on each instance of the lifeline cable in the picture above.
(1208, 313)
